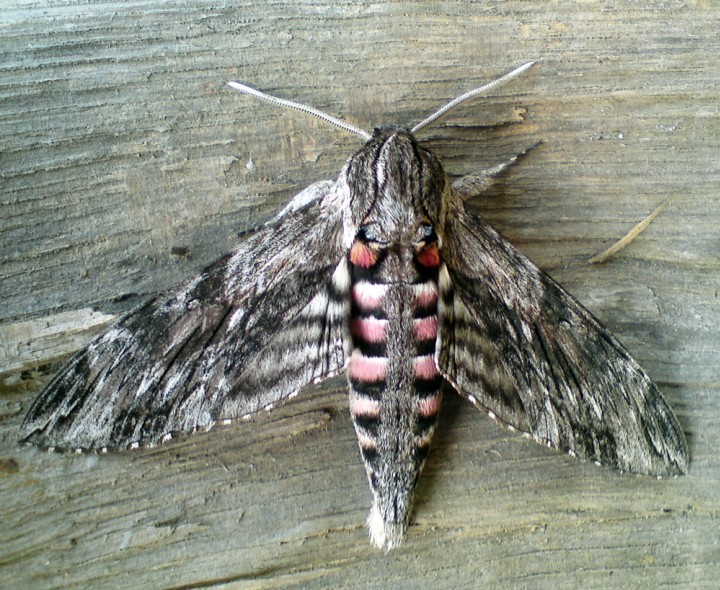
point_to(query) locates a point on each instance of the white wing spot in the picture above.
(444, 279)
(341, 277)
(527, 332)
(236, 316)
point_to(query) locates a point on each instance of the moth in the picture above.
(384, 274)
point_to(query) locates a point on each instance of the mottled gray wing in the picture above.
(524, 350)
(253, 328)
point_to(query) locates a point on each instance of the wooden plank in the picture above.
(28, 344)
(127, 165)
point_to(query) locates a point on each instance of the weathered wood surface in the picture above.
(125, 167)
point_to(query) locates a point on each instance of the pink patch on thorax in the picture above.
(425, 367)
(429, 406)
(367, 368)
(369, 329)
(429, 257)
(425, 328)
(362, 255)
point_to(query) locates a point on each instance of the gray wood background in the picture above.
(127, 164)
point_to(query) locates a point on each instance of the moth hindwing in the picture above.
(386, 274)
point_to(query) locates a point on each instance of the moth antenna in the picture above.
(472, 93)
(300, 107)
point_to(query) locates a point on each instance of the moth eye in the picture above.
(425, 235)
(369, 236)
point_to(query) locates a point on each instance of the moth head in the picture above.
(396, 190)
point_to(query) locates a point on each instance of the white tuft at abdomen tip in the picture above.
(384, 535)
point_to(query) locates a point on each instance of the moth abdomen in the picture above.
(393, 377)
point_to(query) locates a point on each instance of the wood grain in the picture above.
(127, 165)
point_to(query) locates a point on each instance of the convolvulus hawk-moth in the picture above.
(385, 274)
